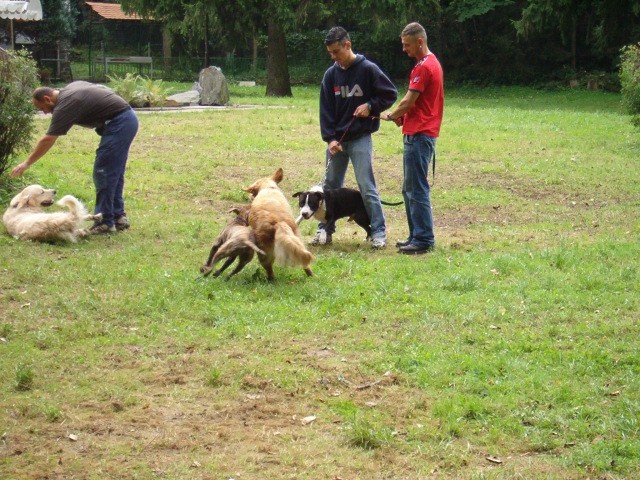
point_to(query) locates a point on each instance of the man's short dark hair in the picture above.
(336, 34)
(40, 92)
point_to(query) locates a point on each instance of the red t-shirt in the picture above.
(426, 114)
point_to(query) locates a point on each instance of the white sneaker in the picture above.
(379, 243)
(321, 238)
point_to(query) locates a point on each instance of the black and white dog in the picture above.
(328, 206)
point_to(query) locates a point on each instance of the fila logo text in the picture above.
(344, 91)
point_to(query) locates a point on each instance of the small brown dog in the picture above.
(235, 241)
(274, 226)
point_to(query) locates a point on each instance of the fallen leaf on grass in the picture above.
(614, 394)
(308, 420)
(494, 460)
(73, 437)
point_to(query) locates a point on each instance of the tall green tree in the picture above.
(241, 21)
(593, 25)
(55, 31)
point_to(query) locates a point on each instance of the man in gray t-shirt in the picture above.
(98, 107)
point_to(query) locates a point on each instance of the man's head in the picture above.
(45, 99)
(338, 45)
(414, 40)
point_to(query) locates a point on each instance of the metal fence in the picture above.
(176, 68)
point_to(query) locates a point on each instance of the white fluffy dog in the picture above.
(25, 220)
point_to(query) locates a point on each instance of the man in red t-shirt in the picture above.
(420, 115)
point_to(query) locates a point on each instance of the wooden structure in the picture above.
(102, 64)
(27, 11)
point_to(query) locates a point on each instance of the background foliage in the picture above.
(480, 41)
(630, 80)
(18, 77)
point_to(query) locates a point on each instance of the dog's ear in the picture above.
(252, 190)
(297, 194)
(278, 176)
(20, 201)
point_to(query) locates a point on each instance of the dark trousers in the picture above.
(111, 160)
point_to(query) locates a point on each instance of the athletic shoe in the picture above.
(321, 238)
(379, 243)
(102, 229)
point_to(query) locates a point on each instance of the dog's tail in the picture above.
(254, 247)
(289, 249)
(74, 205)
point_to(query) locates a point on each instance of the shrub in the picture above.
(140, 91)
(126, 87)
(630, 81)
(18, 78)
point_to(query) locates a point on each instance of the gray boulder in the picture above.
(184, 99)
(215, 90)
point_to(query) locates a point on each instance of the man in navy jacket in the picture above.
(353, 94)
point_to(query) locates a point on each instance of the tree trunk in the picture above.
(278, 82)
(66, 75)
(206, 41)
(574, 38)
(254, 59)
(166, 49)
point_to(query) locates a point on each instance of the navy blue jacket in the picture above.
(343, 91)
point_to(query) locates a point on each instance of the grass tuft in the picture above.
(24, 378)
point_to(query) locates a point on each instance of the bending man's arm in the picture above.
(42, 147)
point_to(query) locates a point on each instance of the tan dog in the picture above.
(274, 226)
(235, 241)
(25, 220)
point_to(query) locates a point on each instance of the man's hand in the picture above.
(334, 147)
(19, 169)
(398, 121)
(42, 147)
(363, 110)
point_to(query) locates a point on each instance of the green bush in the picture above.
(630, 81)
(139, 91)
(18, 78)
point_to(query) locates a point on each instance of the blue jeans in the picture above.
(360, 151)
(110, 163)
(419, 149)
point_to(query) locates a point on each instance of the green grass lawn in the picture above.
(509, 352)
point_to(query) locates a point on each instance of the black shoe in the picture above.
(412, 249)
(402, 243)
